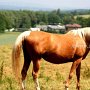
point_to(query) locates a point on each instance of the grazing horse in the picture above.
(54, 48)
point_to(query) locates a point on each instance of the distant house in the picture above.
(56, 28)
(10, 30)
(52, 28)
(72, 26)
(42, 27)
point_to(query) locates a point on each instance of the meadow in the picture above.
(51, 76)
(84, 16)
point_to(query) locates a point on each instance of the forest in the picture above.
(28, 18)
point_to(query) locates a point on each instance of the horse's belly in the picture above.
(57, 59)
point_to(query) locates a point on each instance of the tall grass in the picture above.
(1, 70)
(86, 72)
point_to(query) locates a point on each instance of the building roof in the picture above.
(56, 27)
(73, 25)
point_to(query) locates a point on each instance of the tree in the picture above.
(42, 17)
(25, 21)
(88, 22)
(32, 16)
(58, 12)
(2, 23)
(82, 21)
(68, 19)
(53, 18)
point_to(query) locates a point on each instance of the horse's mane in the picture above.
(80, 32)
(87, 30)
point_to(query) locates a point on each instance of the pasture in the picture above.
(51, 76)
(84, 16)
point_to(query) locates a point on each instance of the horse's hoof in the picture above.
(37, 88)
(66, 87)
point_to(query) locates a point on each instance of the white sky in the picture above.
(54, 4)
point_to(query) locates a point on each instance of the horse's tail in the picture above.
(16, 53)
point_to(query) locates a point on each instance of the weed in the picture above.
(47, 78)
(1, 70)
(59, 77)
(86, 72)
(41, 75)
(10, 84)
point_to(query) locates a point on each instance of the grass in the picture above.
(51, 76)
(84, 16)
(8, 37)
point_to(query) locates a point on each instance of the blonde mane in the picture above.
(87, 31)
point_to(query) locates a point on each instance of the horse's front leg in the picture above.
(78, 76)
(36, 66)
(74, 66)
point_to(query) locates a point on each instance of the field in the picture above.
(84, 16)
(51, 76)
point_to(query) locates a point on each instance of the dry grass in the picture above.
(51, 76)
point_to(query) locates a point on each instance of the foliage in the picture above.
(86, 72)
(53, 18)
(1, 71)
(26, 18)
(2, 23)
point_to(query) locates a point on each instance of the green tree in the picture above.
(68, 19)
(32, 16)
(53, 18)
(25, 21)
(58, 12)
(2, 23)
(82, 21)
(88, 22)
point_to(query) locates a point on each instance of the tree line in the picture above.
(27, 18)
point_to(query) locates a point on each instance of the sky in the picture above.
(49, 4)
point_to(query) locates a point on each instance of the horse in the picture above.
(54, 48)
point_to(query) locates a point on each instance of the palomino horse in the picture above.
(53, 48)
